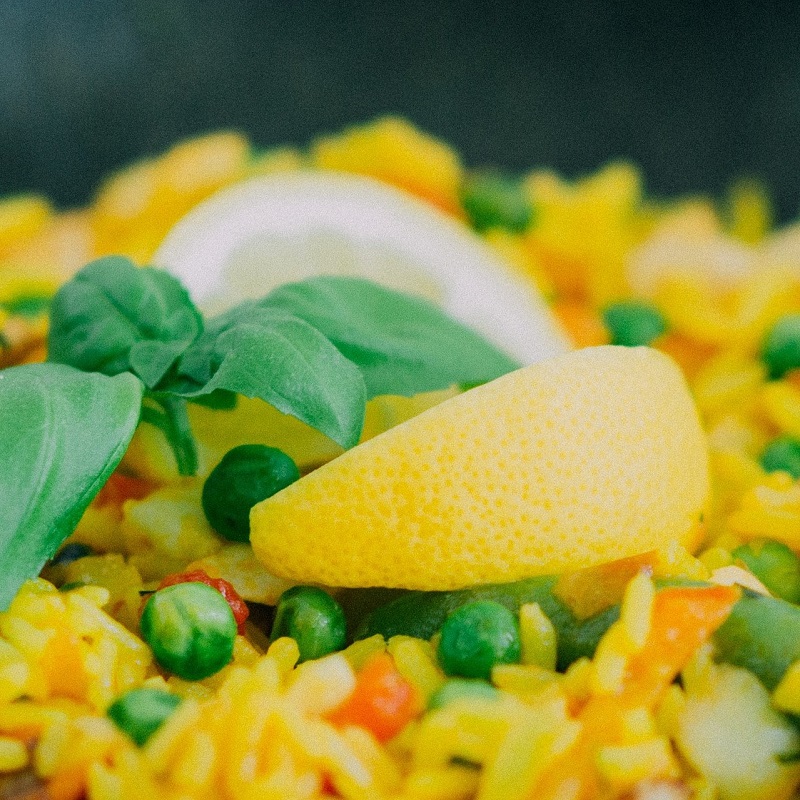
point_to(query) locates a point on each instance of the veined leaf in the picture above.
(402, 344)
(281, 359)
(115, 317)
(64, 432)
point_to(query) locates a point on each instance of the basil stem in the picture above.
(173, 422)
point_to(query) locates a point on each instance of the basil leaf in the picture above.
(198, 362)
(115, 317)
(402, 344)
(64, 432)
(281, 359)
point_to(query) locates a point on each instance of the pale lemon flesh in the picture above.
(583, 459)
(261, 233)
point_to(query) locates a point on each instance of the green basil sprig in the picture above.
(129, 345)
(64, 432)
(315, 350)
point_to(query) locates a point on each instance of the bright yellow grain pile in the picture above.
(258, 729)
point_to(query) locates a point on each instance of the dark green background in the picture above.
(696, 92)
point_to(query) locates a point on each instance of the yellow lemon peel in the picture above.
(594, 456)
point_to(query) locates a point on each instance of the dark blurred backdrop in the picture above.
(696, 92)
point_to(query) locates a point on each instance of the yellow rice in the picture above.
(257, 729)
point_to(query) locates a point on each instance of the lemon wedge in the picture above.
(251, 237)
(586, 458)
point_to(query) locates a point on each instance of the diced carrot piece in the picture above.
(68, 784)
(683, 619)
(119, 488)
(582, 323)
(383, 701)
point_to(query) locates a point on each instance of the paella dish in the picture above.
(350, 471)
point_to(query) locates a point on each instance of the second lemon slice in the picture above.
(254, 236)
(583, 459)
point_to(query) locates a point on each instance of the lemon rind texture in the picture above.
(589, 457)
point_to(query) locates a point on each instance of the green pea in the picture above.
(190, 628)
(775, 565)
(141, 712)
(462, 689)
(477, 636)
(246, 475)
(493, 200)
(780, 351)
(782, 453)
(633, 323)
(313, 619)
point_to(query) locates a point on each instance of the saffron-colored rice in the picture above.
(260, 727)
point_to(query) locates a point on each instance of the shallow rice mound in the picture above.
(656, 707)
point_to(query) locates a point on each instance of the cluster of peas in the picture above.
(191, 630)
(474, 638)
(191, 621)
